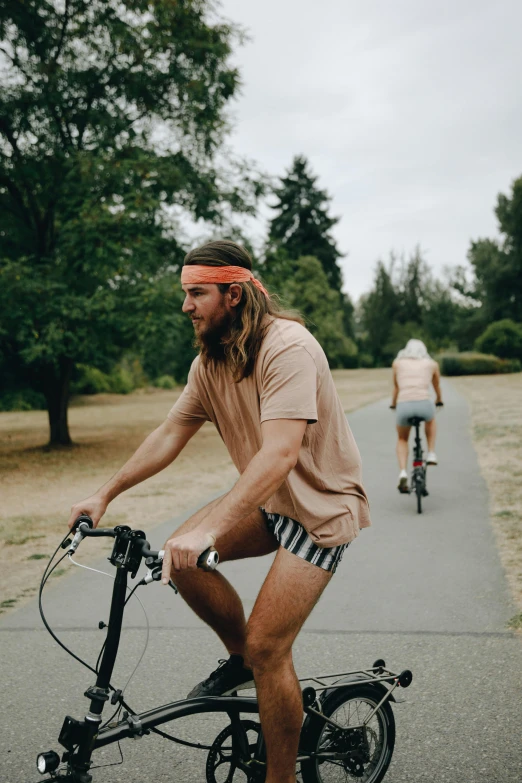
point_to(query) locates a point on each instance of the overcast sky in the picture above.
(409, 111)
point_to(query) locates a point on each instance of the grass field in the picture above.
(497, 433)
(38, 486)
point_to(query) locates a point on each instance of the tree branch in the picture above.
(17, 197)
(62, 34)
(16, 62)
(8, 133)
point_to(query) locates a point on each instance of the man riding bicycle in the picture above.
(264, 381)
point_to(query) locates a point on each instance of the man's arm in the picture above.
(264, 475)
(157, 451)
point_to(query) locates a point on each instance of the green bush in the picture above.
(165, 382)
(22, 400)
(366, 360)
(502, 338)
(122, 379)
(90, 380)
(129, 372)
(470, 363)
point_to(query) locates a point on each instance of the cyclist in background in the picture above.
(414, 372)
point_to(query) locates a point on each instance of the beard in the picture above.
(211, 341)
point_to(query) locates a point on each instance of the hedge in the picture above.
(502, 338)
(471, 363)
(22, 400)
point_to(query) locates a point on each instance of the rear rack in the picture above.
(374, 674)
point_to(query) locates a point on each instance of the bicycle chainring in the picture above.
(223, 761)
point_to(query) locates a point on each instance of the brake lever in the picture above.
(83, 522)
(154, 575)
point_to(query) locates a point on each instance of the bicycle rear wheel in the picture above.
(418, 485)
(367, 749)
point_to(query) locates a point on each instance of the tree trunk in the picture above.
(57, 395)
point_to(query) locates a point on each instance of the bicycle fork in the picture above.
(82, 734)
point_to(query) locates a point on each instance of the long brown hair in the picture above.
(242, 343)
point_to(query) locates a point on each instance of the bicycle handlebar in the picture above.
(84, 527)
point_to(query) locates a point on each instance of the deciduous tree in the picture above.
(497, 263)
(112, 112)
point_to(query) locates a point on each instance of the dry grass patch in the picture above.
(362, 387)
(38, 486)
(497, 429)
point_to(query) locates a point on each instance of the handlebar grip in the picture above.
(209, 559)
(439, 404)
(82, 518)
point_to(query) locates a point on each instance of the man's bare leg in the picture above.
(291, 590)
(210, 595)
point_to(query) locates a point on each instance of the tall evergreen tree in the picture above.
(302, 225)
(111, 111)
(379, 311)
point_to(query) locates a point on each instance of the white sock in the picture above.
(403, 474)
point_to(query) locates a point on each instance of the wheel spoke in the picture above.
(365, 746)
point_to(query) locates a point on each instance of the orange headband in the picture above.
(198, 273)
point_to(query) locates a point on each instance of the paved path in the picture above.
(424, 592)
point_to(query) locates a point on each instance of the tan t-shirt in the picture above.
(291, 380)
(414, 377)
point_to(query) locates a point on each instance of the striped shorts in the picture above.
(293, 537)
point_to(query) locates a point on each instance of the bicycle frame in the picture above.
(418, 477)
(417, 449)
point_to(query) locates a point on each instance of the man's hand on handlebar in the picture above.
(182, 552)
(95, 507)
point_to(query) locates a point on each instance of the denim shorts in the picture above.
(292, 536)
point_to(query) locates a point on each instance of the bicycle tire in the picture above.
(418, 492)
(344, 705)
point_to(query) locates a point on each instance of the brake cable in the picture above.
(122, 703)
(46, 575)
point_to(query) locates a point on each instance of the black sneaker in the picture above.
(228, 677)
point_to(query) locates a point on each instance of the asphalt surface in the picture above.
(423, 592)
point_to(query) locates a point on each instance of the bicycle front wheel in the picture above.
(360, 749)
